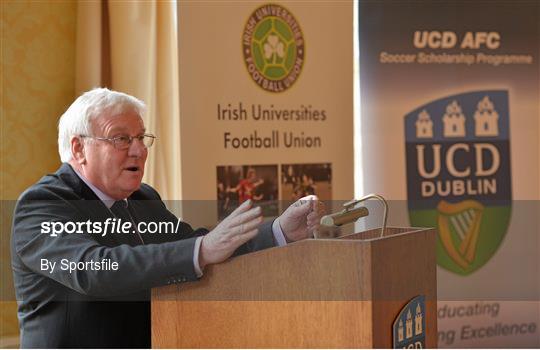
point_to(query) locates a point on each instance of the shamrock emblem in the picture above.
(273, 46)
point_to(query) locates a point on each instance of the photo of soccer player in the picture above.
(300, 180)
(236, 184)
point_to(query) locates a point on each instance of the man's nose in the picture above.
(137, 148)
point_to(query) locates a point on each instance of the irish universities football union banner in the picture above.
(265, 103)
(450, 131)
(458, 175)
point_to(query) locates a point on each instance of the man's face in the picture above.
(116, 172)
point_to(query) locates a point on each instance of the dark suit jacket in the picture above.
(95, 308)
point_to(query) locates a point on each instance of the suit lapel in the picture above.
(90, 205)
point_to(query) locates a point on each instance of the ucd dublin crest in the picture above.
(458, 175)
(409, 328)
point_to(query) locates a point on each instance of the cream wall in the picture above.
(37, 84)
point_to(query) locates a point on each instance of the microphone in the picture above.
(343, 217)
(351, 214)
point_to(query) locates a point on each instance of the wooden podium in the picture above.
(317, 293)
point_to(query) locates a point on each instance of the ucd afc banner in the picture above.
(458, 175)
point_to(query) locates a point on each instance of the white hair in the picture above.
(93, 104)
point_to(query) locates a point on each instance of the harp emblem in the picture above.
(459, 228)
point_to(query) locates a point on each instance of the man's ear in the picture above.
(77, 150)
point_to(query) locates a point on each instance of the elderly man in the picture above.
(77, 288)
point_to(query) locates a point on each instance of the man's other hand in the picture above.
(236, 229)
(302, 218)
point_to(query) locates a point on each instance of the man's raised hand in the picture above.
(236, 229)
(302, 218)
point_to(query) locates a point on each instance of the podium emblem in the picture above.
(458, 175)
(409, 328)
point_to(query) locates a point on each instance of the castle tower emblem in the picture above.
(454, 121)
(418, 320)
(400, 331)
(424, 125)
(408, 325)
(486, 119)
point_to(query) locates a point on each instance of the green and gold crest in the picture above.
(273, 47)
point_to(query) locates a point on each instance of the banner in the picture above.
(265, 103)
(450, 107)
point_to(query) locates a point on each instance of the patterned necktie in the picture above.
(121, 211)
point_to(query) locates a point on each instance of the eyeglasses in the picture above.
(124, 141)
